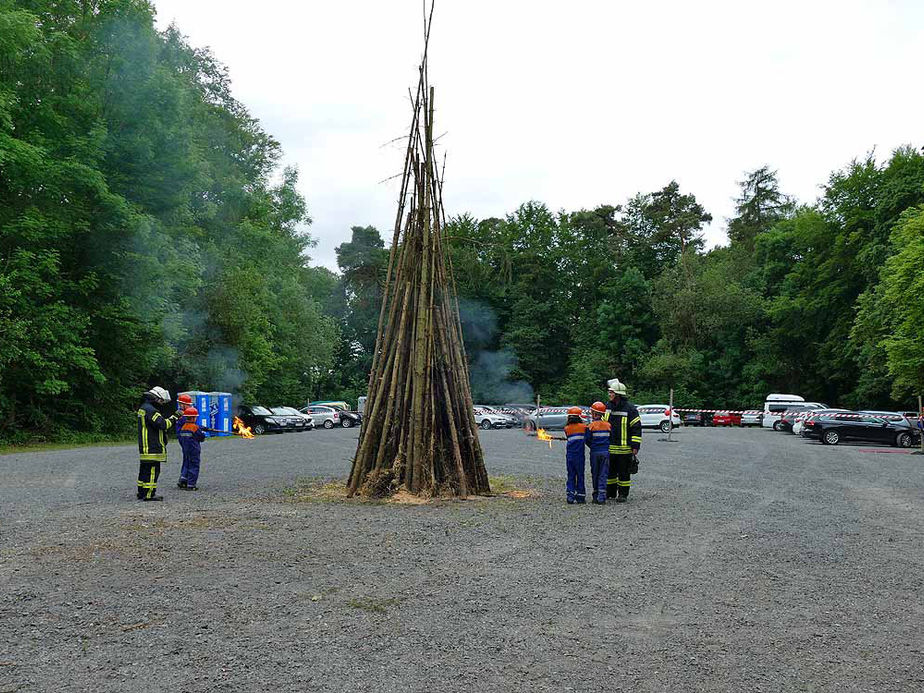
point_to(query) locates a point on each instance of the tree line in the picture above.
(823, 299)
(148, 235)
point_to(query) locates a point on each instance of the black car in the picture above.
(348, 418)
(832, 429)
(261, 420)
(693, 418)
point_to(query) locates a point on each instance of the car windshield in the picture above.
(279, 410)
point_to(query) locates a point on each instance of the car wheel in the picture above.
(831, 438)
(485, 425)
(259, 430)
(346, 423)
(777, 426)
(665, 426)
(904, 440)
(328, 424)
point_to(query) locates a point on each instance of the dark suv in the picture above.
(831, 429)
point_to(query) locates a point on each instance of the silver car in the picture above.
(509, 416)
(552, 418)
(488, 419)
(328, 417)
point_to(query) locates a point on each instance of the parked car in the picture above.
(488, 419)
(508, 415)
(294, 418)
(658, 416)
(693, 418)
(328, 417)
(552, 418)
(724, 418)
(348, 418)
(752, 418)
(798, 426)
(261, 420)
(832, 429)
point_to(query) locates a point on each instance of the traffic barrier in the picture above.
(799, 414)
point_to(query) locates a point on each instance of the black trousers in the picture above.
(619, 479)
(147, 479)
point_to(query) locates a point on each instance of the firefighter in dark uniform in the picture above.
(625, 441)
(152, 441)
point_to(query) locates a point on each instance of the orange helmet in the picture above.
(598, 406)
(184, 399)
(191, 411)
(575, 411)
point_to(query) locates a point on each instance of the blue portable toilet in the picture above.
(220, 412)
(201, 403)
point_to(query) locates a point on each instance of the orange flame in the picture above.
(240, 429)
(542, 435)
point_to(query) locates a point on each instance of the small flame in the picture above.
(542, 435)
(242, 430)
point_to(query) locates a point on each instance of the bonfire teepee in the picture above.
(419, 433)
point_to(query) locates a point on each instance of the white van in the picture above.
(775, 405)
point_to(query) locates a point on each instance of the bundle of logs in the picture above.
(419, 433)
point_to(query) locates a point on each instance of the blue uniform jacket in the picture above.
(598, 436)
(574, 448)
(190, 437)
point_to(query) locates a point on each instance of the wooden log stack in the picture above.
(419, 433)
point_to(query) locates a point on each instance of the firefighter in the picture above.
(152, 441)
(598, 440)
(575, 434)
(625, 440)
(190, 437)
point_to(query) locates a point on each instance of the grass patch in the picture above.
(39, 446)
(315, 491)
(512, 487)
(373, 605)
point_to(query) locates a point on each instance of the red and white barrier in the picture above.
(720, 411)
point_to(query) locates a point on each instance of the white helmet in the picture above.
(159, 393)
(615, 386)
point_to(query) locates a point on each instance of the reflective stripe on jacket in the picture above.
(190, 437)
(575, 435)
(626, 427)
(152, 433)
(598, 436)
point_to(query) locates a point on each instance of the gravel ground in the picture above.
(745, 560)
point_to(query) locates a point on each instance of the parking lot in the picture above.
(745, 560)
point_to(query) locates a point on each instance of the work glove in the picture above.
(633, 468)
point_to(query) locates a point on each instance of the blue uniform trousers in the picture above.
(599, 472)
(190, 470)
(575, 485)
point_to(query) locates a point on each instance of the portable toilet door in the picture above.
(220, 412)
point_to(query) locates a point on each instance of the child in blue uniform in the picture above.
(598, 440)
(575, 435)
(190, 437)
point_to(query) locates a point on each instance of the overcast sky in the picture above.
(573, 104)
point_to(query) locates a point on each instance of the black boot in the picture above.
(153, 498)
(621, 498)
